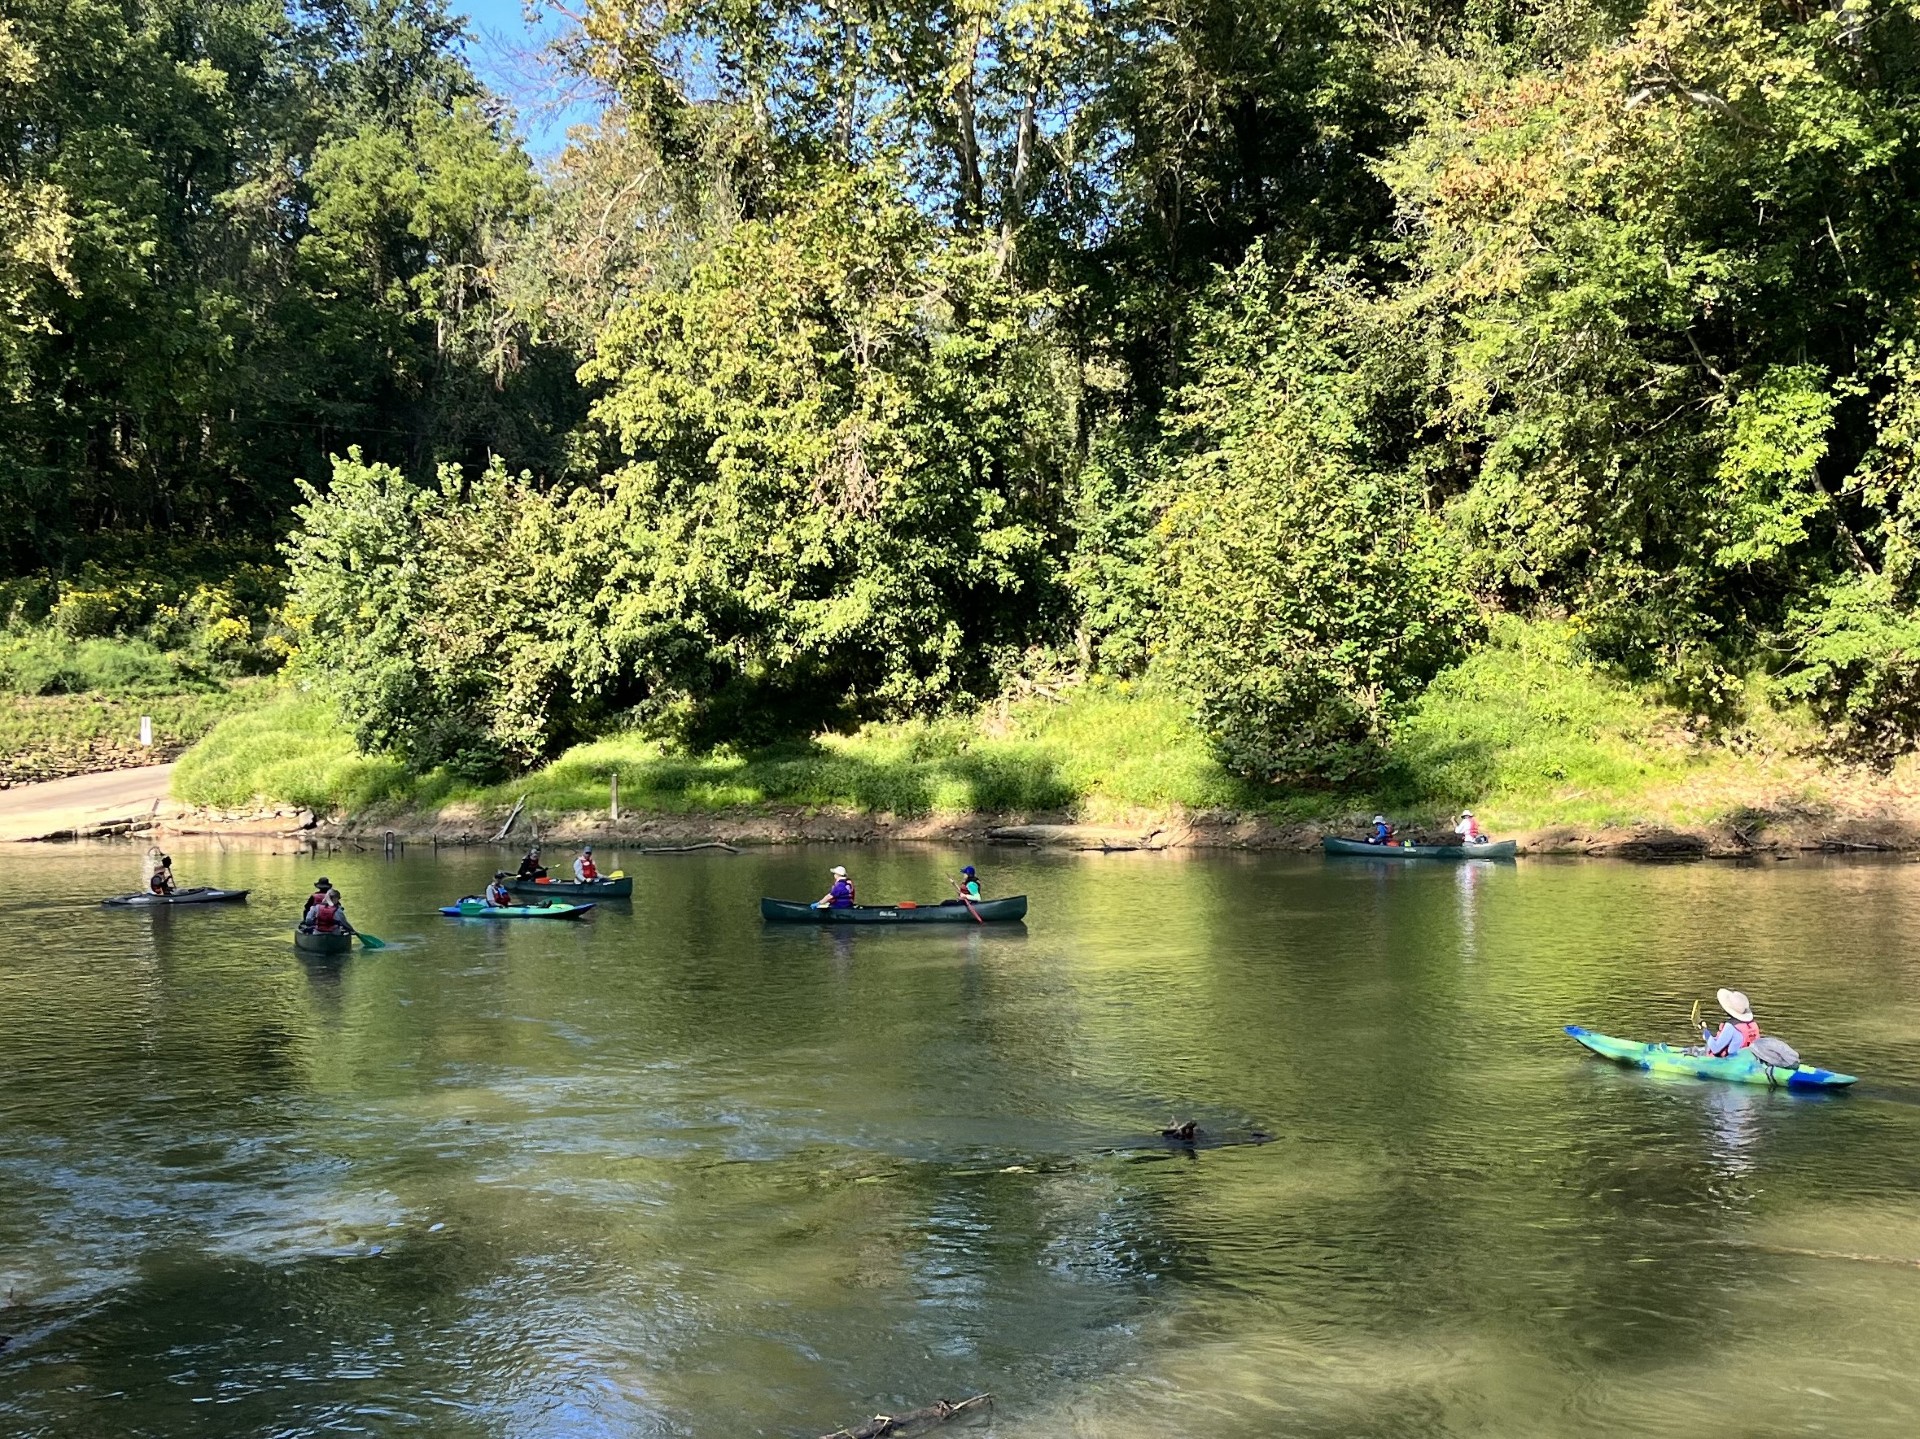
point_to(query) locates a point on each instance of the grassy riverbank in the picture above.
(74, 707)
(1524, 730)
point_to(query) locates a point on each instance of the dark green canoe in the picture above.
(1492, 849)
(621, 888)
(790, 911)
(307, 942)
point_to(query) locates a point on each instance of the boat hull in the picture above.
(1493, 849)
(621, 888)
(787, 911)
(308, 943)
(517, 911)
(202, 895)
(1741, 1068)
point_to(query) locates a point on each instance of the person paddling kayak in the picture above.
(584, 871)
(1739, 1032)
(161, 880)
(497, 894)
(841, 895)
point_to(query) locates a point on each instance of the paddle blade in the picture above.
(370, 941)
(618, 874)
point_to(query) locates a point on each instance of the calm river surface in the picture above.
(669, 1171)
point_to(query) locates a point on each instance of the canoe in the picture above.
(477, 909)
(1740, 1068)
(1492, 849)
(789, 911)
(308, 942)
(621, 888)
(202, 895)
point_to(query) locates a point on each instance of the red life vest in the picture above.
(587, 871)
(1748, 1031)
(325, 918)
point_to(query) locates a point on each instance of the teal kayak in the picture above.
(1740, 1068)
(480, 909)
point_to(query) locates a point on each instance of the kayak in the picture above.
(308, 942)
(479, 909)
(621, 888)
(202, 895)
(1492, 849)
(789, 911)
(1740, 1068)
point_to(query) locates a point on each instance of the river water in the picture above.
(669, 1171)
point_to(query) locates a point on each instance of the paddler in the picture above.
(841, 895)
(530, 866)
(329, 916)
(969, 882)
(497, 893)
(319, 896)
(583, 867)
(1382, 832)
(161, 880)
(1740, 1029)
(1469, 829)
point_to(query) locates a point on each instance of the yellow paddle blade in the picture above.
(618, 874)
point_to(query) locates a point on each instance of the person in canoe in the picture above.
(968, 884)
(497, 894)
(319, 896)
(1382, 832)
(584, 871)
(161, 880)
(1738, 1033)
(841, 895)
(329, 916)
(530, 866)
(1469, 829)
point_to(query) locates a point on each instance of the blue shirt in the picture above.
(1728, 1041)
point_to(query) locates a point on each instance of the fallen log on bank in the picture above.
(918, 1422)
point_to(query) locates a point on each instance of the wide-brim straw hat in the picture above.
(1735, 1003)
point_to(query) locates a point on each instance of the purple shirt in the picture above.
(841, 895)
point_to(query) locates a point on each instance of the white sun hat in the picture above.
(1735, 1004)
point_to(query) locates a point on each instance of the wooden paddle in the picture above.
(964, 900)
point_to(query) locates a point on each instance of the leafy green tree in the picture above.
(1307, 594)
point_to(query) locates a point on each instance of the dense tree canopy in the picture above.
(860, 355)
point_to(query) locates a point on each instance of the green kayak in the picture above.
(1737, 1069)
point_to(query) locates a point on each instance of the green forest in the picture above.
(1272, 366)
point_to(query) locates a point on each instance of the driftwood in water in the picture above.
(918, 1422)
(507, 828)
(690, 848)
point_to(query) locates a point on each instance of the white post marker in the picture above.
(613, 795)
(146, 731)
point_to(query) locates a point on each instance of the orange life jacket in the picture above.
(325, 918)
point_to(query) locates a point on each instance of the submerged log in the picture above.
(917, 1422)
(689, 848)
